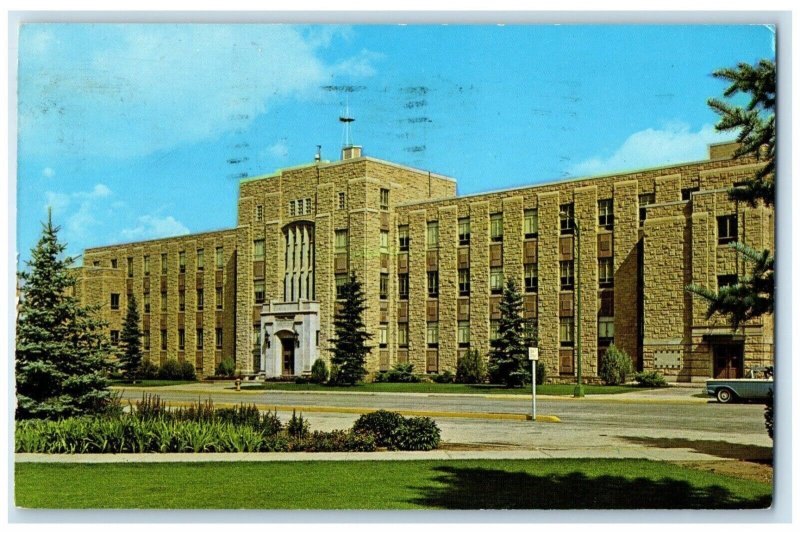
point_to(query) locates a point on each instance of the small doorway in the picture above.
(728, 360)
(287, 353)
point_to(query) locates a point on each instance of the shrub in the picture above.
(301, 380)
(227, 367)
(445, 377)
(615, 366)
(416, 434)
(187, 371)
(334, 374)
(401, 372)
(769, 414)
(170, 370)
(336, 441)
(319, 372)
(297, 427)
(650, 379)
(148, 370)
(379, 424)
(541, 373)
(471, 368)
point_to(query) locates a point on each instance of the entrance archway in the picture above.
(287, 355)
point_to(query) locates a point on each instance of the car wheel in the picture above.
(724, 395)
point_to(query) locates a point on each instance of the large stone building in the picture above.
(433, 265)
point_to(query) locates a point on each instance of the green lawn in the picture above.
(430, 387)
(462, 484)
(151, 383)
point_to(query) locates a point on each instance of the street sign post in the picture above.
(533, 356)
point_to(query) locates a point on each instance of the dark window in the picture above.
(163, 263)
(686, 194)
(181, 300)
(463, 282)
(341, 282)
(199, 339)
(727, 228)
(567, 215)
(259, 291)
(531, 278)
(496, 280)
(146, 262)
(726, 280)
(605, 272)
(181, 339)
(402, 286)
(567, 273)
(384, 199)
(114, 263)
(130, 267)
(645, 199)
(605, 210)
(219, 298)
(146, 299)
(182, 261)
(218, 336)
(433, 284)
(496, 227)
(114, 301)
(163, 339)
(384, 286)
(146, 340)
(531, 223)
(567, 331)
(402, 237)
(114, 337)
(200, 299)
(463, 231)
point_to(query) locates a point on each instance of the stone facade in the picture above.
(634, 243)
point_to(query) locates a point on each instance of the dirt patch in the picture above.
(760, 472)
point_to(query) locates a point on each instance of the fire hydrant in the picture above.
(238, 384)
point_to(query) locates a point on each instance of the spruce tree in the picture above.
(130, 341)
(350, 347)
(752, 295)
(61, 347)
(508, 358)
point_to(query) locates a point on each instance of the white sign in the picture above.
(533, 353)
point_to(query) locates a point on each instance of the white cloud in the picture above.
(129, 90)
(153, 226)
(675, 143)
(279, 149)
(58, 202)
(77, 210)
(361, 65)
(48, 172)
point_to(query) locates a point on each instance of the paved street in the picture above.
(641, 424)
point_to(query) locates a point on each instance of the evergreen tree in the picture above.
(752, 295)
(508, 358)
(130, 341)
(350, 347)
(61, 348)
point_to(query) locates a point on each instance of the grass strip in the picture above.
(430, 387)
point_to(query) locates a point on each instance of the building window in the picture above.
(567, 217)
(164, 263)
(402, 238)
(218, 297)
(605, 329)
(258, 249)
(433, 284)
(567, 272)
(340, 243)
(432, 334)
(130, 267)
(163, 339)
(200, 302)
(257, 336)
(291, 208)
(95, 263)
(726, 280)
(494, 329)
(496, 280)
(181, 299)
(463, 231)
(146, 263)
(605, 211)
(463, 282)
(686, 194)
(201, 259)
(531, 278)
(567, 331)
(218, 257)
(114, 337)
(645, 199)
(146, 339)
(218, 337)
(384, 286)
(181, 339)
(163, 301)
(384, 199)
(259, 213)
(146, 302)
(727, 229)
(113, 263)
(114, 301)
(341, 281)
(384, 241)
(182, 261)
(605, 272)
(259, 292)
(383, 336)
(342, 203)
(496, 227)
(433, 234)
(531, 223)
(402, 335)
(402, 286)
(463, 334)
(199, 339)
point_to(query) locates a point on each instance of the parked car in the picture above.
(756, 386)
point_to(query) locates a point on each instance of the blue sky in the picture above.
(133, 132)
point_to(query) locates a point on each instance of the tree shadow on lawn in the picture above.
(493, 489)
(722, 449)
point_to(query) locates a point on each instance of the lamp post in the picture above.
(578, 392)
